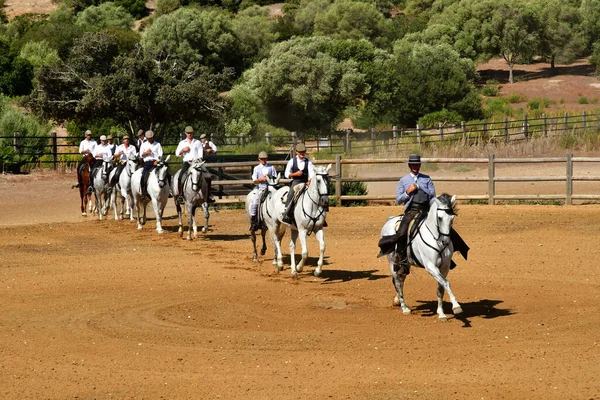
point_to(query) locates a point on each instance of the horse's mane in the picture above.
(446, 200)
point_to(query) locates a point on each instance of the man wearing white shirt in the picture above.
(151, 151)
(111, 145)
(259, 176)
(140, 139)
(190, 149)
(102, 153)
(87, 146)
(301, 170)
(123, 153)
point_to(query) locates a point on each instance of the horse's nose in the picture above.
(161, 184)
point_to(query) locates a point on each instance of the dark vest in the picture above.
(304, 177)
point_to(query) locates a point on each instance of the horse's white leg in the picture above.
(263, 250)
(292, 251)
(277, 256)
(98, 203)
(158, 212)
(443, 282)
(191, 223)
(398, 281)
(138, 210)
(320, 235)
(113, 200)
(254, 252)
(180, 219)
(302, 234)
(130, 206)
(194, 224)
(206, 216)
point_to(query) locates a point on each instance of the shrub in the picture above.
(568, 141)
(491, 88)
(516, 98)
(534, 104)
(349, 189)
(432, 120)
(583, 100)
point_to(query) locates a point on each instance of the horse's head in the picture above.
(162, 169)
(273, 180)
(195, 173)
(132, 163)
(105, 169)
(444, 209)
(322, 184)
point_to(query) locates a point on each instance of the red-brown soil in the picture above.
(96, 309)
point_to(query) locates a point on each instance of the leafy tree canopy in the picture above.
(39, 54)
(103, 16)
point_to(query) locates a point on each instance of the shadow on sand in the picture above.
(339, 276)
(485, 308)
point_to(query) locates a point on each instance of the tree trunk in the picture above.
(552, 65)
(510, 73)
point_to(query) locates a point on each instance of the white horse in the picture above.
(431, 248)
(309, 216)
(158, 190)
(102, 189)
(123, 188)
(195, 193)
(267, 212)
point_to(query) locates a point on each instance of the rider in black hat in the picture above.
(415, 191)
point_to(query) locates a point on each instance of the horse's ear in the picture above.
(453, 199)
(167, 159)
(328, 168)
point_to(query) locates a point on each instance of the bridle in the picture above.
(441, 234)
(159, 168)
(319, 202)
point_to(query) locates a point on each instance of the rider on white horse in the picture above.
(101, 153)
(415, 190)
(301, 170)
(123, 153)
(151, 151)
(190, 149)
(259, 176)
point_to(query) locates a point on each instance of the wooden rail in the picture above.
(567, 196)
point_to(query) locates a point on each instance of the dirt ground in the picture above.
(96, 309)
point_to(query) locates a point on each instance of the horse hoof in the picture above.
(195, 235)
(457, 310)
(263, 252)
(84, 214)
(396, 301)
(299, 268)
(443, 318)
(204, 230)
(180, 232)
(160, 232)
(317, 272)
(120, 217)
(406, 312)
(254, 259)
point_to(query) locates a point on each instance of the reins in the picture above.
(318, 204)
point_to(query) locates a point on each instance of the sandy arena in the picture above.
(96, 309)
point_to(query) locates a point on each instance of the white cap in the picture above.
(103, 137)
(149, 134)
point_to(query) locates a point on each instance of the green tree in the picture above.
(103, 16)
(3, 16)
(137, 8)
(16, 73)
(590, 20)
(351, 19)
(189, 35)
(418, 81)
(166, 6)
(303, 87)
(305, 15)
(255, 32)
(39, 54)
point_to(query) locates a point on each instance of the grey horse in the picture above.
(195, 193)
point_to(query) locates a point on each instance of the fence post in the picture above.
(220, 178)
(347, 141)
(526, 127)
(491, 177)
(294, 143)
(566, 123)
(268, 137)
(17, 142)
(506, 137)
(485, 128)
(441, 128)
(395, 135)
(545, 127)
(373, 144)
(419, 134)
(568, 200)
(338, 181)
(54, 151)
(584, 119)
(463, 127)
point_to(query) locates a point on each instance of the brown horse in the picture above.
(86, 171)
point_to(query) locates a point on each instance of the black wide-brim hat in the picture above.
(414, 159)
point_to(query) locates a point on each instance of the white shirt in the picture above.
(87, 145)
(263, 170)
(195, 150)
(128, 152)
(156, 152)
(103, 152)
(211, 145)
(311, 167)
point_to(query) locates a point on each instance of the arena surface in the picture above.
(96, 309)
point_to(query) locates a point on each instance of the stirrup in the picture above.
(180, 199)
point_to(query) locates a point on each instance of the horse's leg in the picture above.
(263, 250)
(98, 203)
(398, 281)
(254, 252)
(138, 208)
(195, 226)
(292, 251)
(191, 209)
(179, 218)
(158, 213)
(130, 206)
(445, 286)
(83, 197)
(302, 234)
(206, 217)
(113, 200)
(320, 235)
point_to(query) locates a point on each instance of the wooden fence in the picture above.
(491, 178)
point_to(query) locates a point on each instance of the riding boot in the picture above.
(402, 251)
(254, 223)
(287, 218)
(211, 199)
